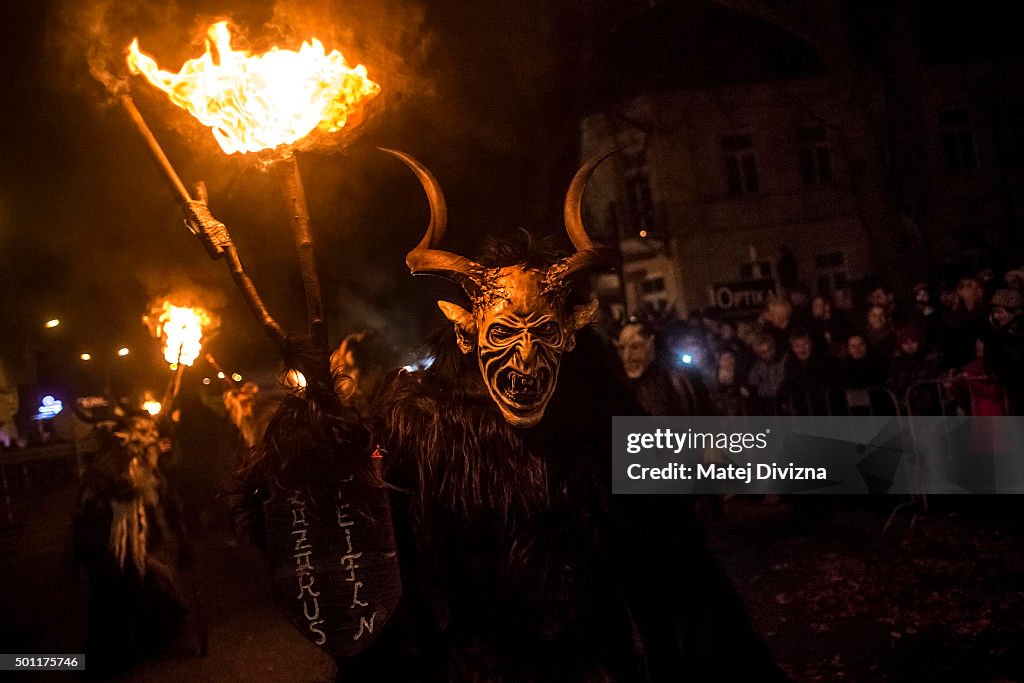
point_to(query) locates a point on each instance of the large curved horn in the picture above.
(426, 257)
(573, 211)
(588, 254)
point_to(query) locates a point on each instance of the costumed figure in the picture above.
(460, 527)
(360, 366)
(128, 536)
(249, 411)
(659, 389)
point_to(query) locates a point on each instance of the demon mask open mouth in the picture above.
(523, 391)
(520, 323)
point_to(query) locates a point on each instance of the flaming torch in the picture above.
(150, 404)
(272, 103)
(181, 330)
(261, 102)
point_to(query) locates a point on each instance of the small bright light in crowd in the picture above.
(86, 356)
(235, 376)
(220, 375)
(421, 364)
(52, 323)
(174, 366)
(50, 407)
(151, 407)
(295, 379)
(123, 351)
(206, 380)
(643, 233)
(686, 358)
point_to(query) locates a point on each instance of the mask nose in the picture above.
(527, 350)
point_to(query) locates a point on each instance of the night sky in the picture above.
(480, 92)
(487, 94)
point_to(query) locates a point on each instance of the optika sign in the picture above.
(742, 296)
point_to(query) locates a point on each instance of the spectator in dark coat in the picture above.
(729, 341)
(728, 392)
(807, 369)
(769, 369)
(923, 313)
(1004, 345)
(879, 333)
(800, 300)
(963, 324)
(828, 328)
(655, 387)
(862, 368)
(776, 321)
(913, 363)
(809, 376)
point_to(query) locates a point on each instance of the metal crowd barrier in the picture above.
(866, 402)
(948, 396)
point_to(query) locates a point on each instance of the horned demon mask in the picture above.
(520, 323)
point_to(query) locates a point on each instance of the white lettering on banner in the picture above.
(742, 295)
(304, 568)
(745, 298)
(348, 562)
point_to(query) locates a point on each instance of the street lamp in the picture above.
(50, 324)
(105, 361)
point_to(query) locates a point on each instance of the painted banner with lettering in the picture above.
(742, 296)
(334, 564)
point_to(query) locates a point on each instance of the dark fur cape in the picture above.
(311, 442)
(518, 564)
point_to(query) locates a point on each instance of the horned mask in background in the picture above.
(520, 323)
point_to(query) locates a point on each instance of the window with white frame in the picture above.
(813, 155)
(740, 164)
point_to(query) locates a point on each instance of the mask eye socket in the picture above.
(548, 331)
(499, 334)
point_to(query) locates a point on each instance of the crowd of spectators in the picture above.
(951, 349)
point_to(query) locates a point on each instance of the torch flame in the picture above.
(150, 404)
(181, 330)
(258, 102)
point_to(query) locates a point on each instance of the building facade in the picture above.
(720, 187)
(720, 195)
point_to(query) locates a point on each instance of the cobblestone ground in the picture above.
(939, 597)
(43, 608)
